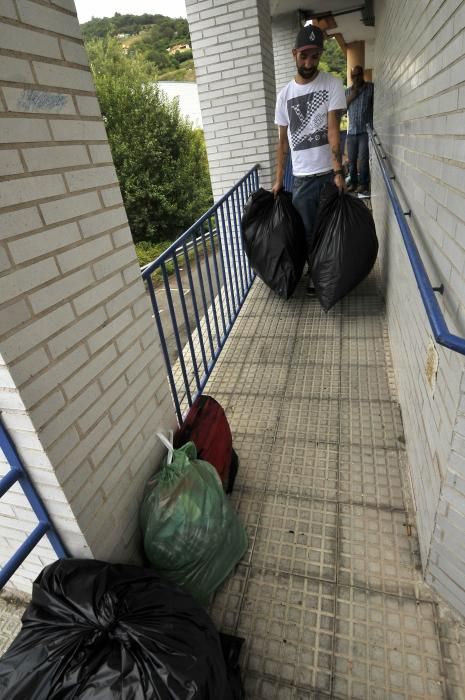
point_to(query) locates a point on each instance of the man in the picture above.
(308, 114)
(360, 110)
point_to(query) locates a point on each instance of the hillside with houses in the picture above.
(164, 41)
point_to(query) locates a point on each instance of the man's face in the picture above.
(306, 61)
(357, 77)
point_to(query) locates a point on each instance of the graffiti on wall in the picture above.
(34, 100)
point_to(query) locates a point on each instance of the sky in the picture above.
(106, 8)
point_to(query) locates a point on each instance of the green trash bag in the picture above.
(192, 535)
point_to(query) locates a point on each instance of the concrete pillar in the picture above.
(82, 381)
(232, 47)
(355, 57)
(285, 29)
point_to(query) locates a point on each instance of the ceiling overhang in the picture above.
(347, 19)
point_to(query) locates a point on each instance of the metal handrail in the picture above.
(17, 473)
(217, 279)
(179, 251)
(208, 214)
(441, 333)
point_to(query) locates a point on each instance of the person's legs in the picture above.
(352, 155)
(303, 202)
(363, 155)
(301, 189)
(306, 199)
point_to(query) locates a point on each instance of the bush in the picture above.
(146, 251)
(159, 158)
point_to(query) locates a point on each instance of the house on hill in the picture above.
(178, 48)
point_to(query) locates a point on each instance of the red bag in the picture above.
(207, 427)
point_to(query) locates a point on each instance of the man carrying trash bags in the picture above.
(330, 229)
(307, 114)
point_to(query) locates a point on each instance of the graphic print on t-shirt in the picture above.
(308, 120)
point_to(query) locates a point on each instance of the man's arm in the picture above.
(281, 157)
(352, 94)
(334, 138)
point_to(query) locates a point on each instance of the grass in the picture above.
(185, 73)
(147, 252)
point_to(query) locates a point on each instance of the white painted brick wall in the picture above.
(53, 212)
(23, 189)
(17, 519)
(285, 28)
(419, 119)
(10, 163)
(12, 37)
(74, 52)
(20, 131)
(8, 9)
(52, 20)
(82, 384)
(74, 130)
(100, 153)
(58, 76)
(57, 157)
(446, 570)
(88, 106)
(16, 70)
(232, 48)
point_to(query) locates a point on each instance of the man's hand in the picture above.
(340, 182)
(353, 93)
(277, 187)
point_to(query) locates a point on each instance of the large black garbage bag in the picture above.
(231, 646)
(98, 631)
(345, 246)
(274, 240)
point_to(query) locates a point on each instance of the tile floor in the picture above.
(329, 597)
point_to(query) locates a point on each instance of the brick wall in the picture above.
(84, 386)
(233, 55)
(285, 28)
(446, 567)
(419, 117)
(17, 519)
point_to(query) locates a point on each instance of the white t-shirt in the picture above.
(304, 110)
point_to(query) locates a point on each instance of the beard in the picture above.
(307, 73)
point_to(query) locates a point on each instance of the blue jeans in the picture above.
(306, 198)
(357, 150)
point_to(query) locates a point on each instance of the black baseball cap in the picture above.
(309, 37)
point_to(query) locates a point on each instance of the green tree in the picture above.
(160, 159)
(334, 59)
(151, 36)
(97, 28)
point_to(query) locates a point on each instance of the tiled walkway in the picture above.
(329, 597)
(11, 610)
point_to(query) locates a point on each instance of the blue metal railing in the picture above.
(438, 324)
(18, 474)
(197, 287)
(288, 176)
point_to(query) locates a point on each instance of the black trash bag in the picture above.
(274, 240)
(345, 246)
(98, 631)
(231, 646)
